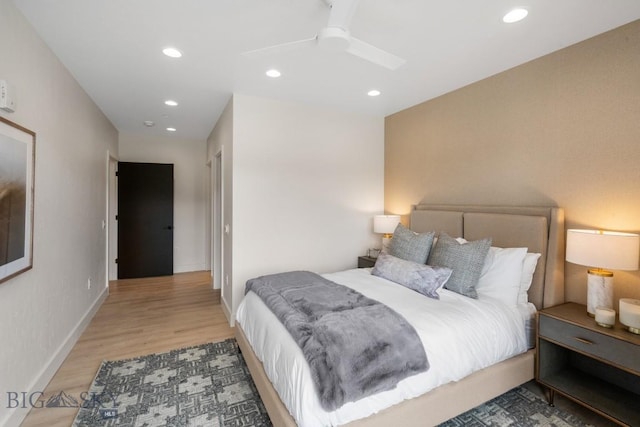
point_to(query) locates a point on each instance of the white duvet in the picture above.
(460, 336)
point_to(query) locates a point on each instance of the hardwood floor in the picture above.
(140, 316)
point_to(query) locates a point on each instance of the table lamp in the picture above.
(385, 225)
(604, 250)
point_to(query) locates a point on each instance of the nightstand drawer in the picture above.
(621, 353)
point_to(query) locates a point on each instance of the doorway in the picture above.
(145, 220)
(112, 224)
(217, 217)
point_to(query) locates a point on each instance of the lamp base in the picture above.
(599, 290)
(386, 240)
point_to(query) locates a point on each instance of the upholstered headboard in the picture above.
(540, 229)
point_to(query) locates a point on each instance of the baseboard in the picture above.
(189, 268)
(17, 415)
(227, 312)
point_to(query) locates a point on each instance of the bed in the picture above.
(540, 229)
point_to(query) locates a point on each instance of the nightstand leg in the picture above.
(552, 395)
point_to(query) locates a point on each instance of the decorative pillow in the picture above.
(465, 259)
(422, 278)
(500, 276)
(409, 245)
(528, 268)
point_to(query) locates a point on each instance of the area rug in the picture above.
(210, 385)
(516, 408)
(207, 385)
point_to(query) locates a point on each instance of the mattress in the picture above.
(460, 336)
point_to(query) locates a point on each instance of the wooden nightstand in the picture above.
(596, 367)
(366, 261)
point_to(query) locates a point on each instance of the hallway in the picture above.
(140, 316)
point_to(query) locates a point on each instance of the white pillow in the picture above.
(501, 274)
(528, 268)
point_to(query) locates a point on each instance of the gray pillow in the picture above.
(410, 246)
(466, 261)
(422, 278)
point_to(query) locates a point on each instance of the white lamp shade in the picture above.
(385, 224)
(603, 249)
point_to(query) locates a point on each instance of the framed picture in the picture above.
(17, 164)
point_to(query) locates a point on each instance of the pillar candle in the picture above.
(605, 316)
(630, 312)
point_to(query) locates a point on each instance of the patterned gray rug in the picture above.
(207, 385)
(210, 385)
(516, 408)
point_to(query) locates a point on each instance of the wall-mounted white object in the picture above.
(7, 97)
(602, 250)
(385, 225)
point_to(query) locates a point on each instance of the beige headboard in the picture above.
(540, 229)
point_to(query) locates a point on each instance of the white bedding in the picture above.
(460, 336)
(528, 312)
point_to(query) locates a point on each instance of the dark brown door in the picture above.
(145, 220)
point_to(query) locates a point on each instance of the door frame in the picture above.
(217, 220)
(111, 232)
(208, 250)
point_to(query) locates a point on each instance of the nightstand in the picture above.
(366, 261)
(596, 367)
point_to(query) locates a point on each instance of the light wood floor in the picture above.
(140, 316)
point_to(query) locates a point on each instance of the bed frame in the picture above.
(541, 229)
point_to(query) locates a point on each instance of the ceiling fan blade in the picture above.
(280, 48)
(342, 12)
(373, 54)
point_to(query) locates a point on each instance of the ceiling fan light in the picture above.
(334, 39)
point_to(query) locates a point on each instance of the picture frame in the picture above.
(17, 179)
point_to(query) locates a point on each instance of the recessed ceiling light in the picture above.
(171, 129)
(515, 15)
(172, 52)
(273, 73)
(170, 103)
(373, 92)
(148, 123)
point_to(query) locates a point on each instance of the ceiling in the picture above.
(113, 48)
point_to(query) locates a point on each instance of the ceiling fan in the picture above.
(336, 37)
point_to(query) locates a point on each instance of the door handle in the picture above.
(168, 227)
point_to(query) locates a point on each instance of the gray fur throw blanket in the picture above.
(355, 346)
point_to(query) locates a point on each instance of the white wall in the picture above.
(43, 311)
(220, 142)
(306, 184)
(190, 174)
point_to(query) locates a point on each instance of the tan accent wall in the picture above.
(561, 130)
